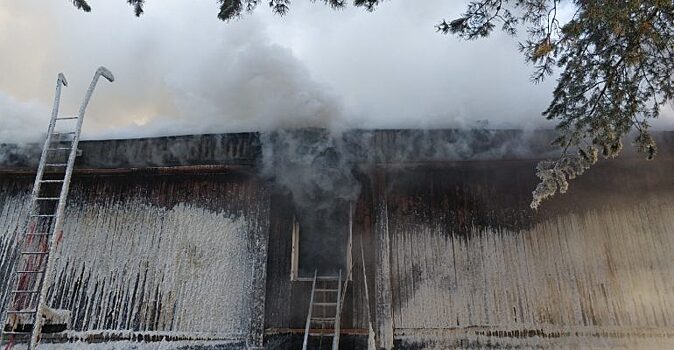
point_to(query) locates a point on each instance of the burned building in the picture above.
(213, 239)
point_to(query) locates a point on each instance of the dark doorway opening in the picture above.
(322, 243)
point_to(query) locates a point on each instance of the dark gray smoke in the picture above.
(22, 155)
(315, 165)
(316, 168)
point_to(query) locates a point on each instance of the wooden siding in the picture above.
(157, 253)
(466, 251)
(288, 301)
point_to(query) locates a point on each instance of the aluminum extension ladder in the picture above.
(25, 299)
(325, 306)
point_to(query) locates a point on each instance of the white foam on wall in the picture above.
(12, 221)
(607, 267)
(125, 264)
(476, 342)
(192, 264)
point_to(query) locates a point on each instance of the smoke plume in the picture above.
(316, 168)
(22, 122)
(180, 71)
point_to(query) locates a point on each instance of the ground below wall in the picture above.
(476, 338)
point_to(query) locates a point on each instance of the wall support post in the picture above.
(382, 282)
(258, 247)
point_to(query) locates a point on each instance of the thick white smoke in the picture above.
(22, 122)
(180, 70)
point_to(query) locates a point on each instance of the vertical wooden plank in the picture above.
(383, 297)
(294, 253)
(258, 248)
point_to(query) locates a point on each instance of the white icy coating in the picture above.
(125, 264)
(51, 317)
(130, 345)
(12, 221)
(608, 268)
(601, 279)
(457, 341)
(54, 316)
(196, 261)
(127, 334)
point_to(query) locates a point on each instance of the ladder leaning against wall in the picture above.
(325, 308)
(326, 302)
(25, 299)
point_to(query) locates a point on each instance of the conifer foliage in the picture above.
(616, 64)
(82, 5)
(137, 6)
(615, 61)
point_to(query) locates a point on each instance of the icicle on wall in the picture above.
(161, 269)
(14, 202)
(450, 339)
(127, 262)
(604, 269)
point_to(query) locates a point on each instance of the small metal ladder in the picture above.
(325, 307)
(25, 300)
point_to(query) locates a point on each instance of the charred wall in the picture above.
(365, 146)
(287, 301)
(14, 201)
(471, 263)
(167, 253)
(453, 254)
(169, 151)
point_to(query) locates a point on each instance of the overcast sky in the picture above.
(180, 70)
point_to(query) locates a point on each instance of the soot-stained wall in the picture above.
(471, 262)
(287, 302)
(154, 253)
(239, 148)
(14, 201)
(453, 255)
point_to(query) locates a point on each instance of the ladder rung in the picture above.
(56, 164)
(326, 290)
(66, 118)
(47, 198)
(327, 278)
(59, 149)
(43, 215)
(63, 133)
(25, 291)
(16, 333)
(34, 253)
(325, 304)
(21, 311)
(52, 181)
(27, 271)
(323, 319)
(330, 333)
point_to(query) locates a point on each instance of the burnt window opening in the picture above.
(321, 242)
